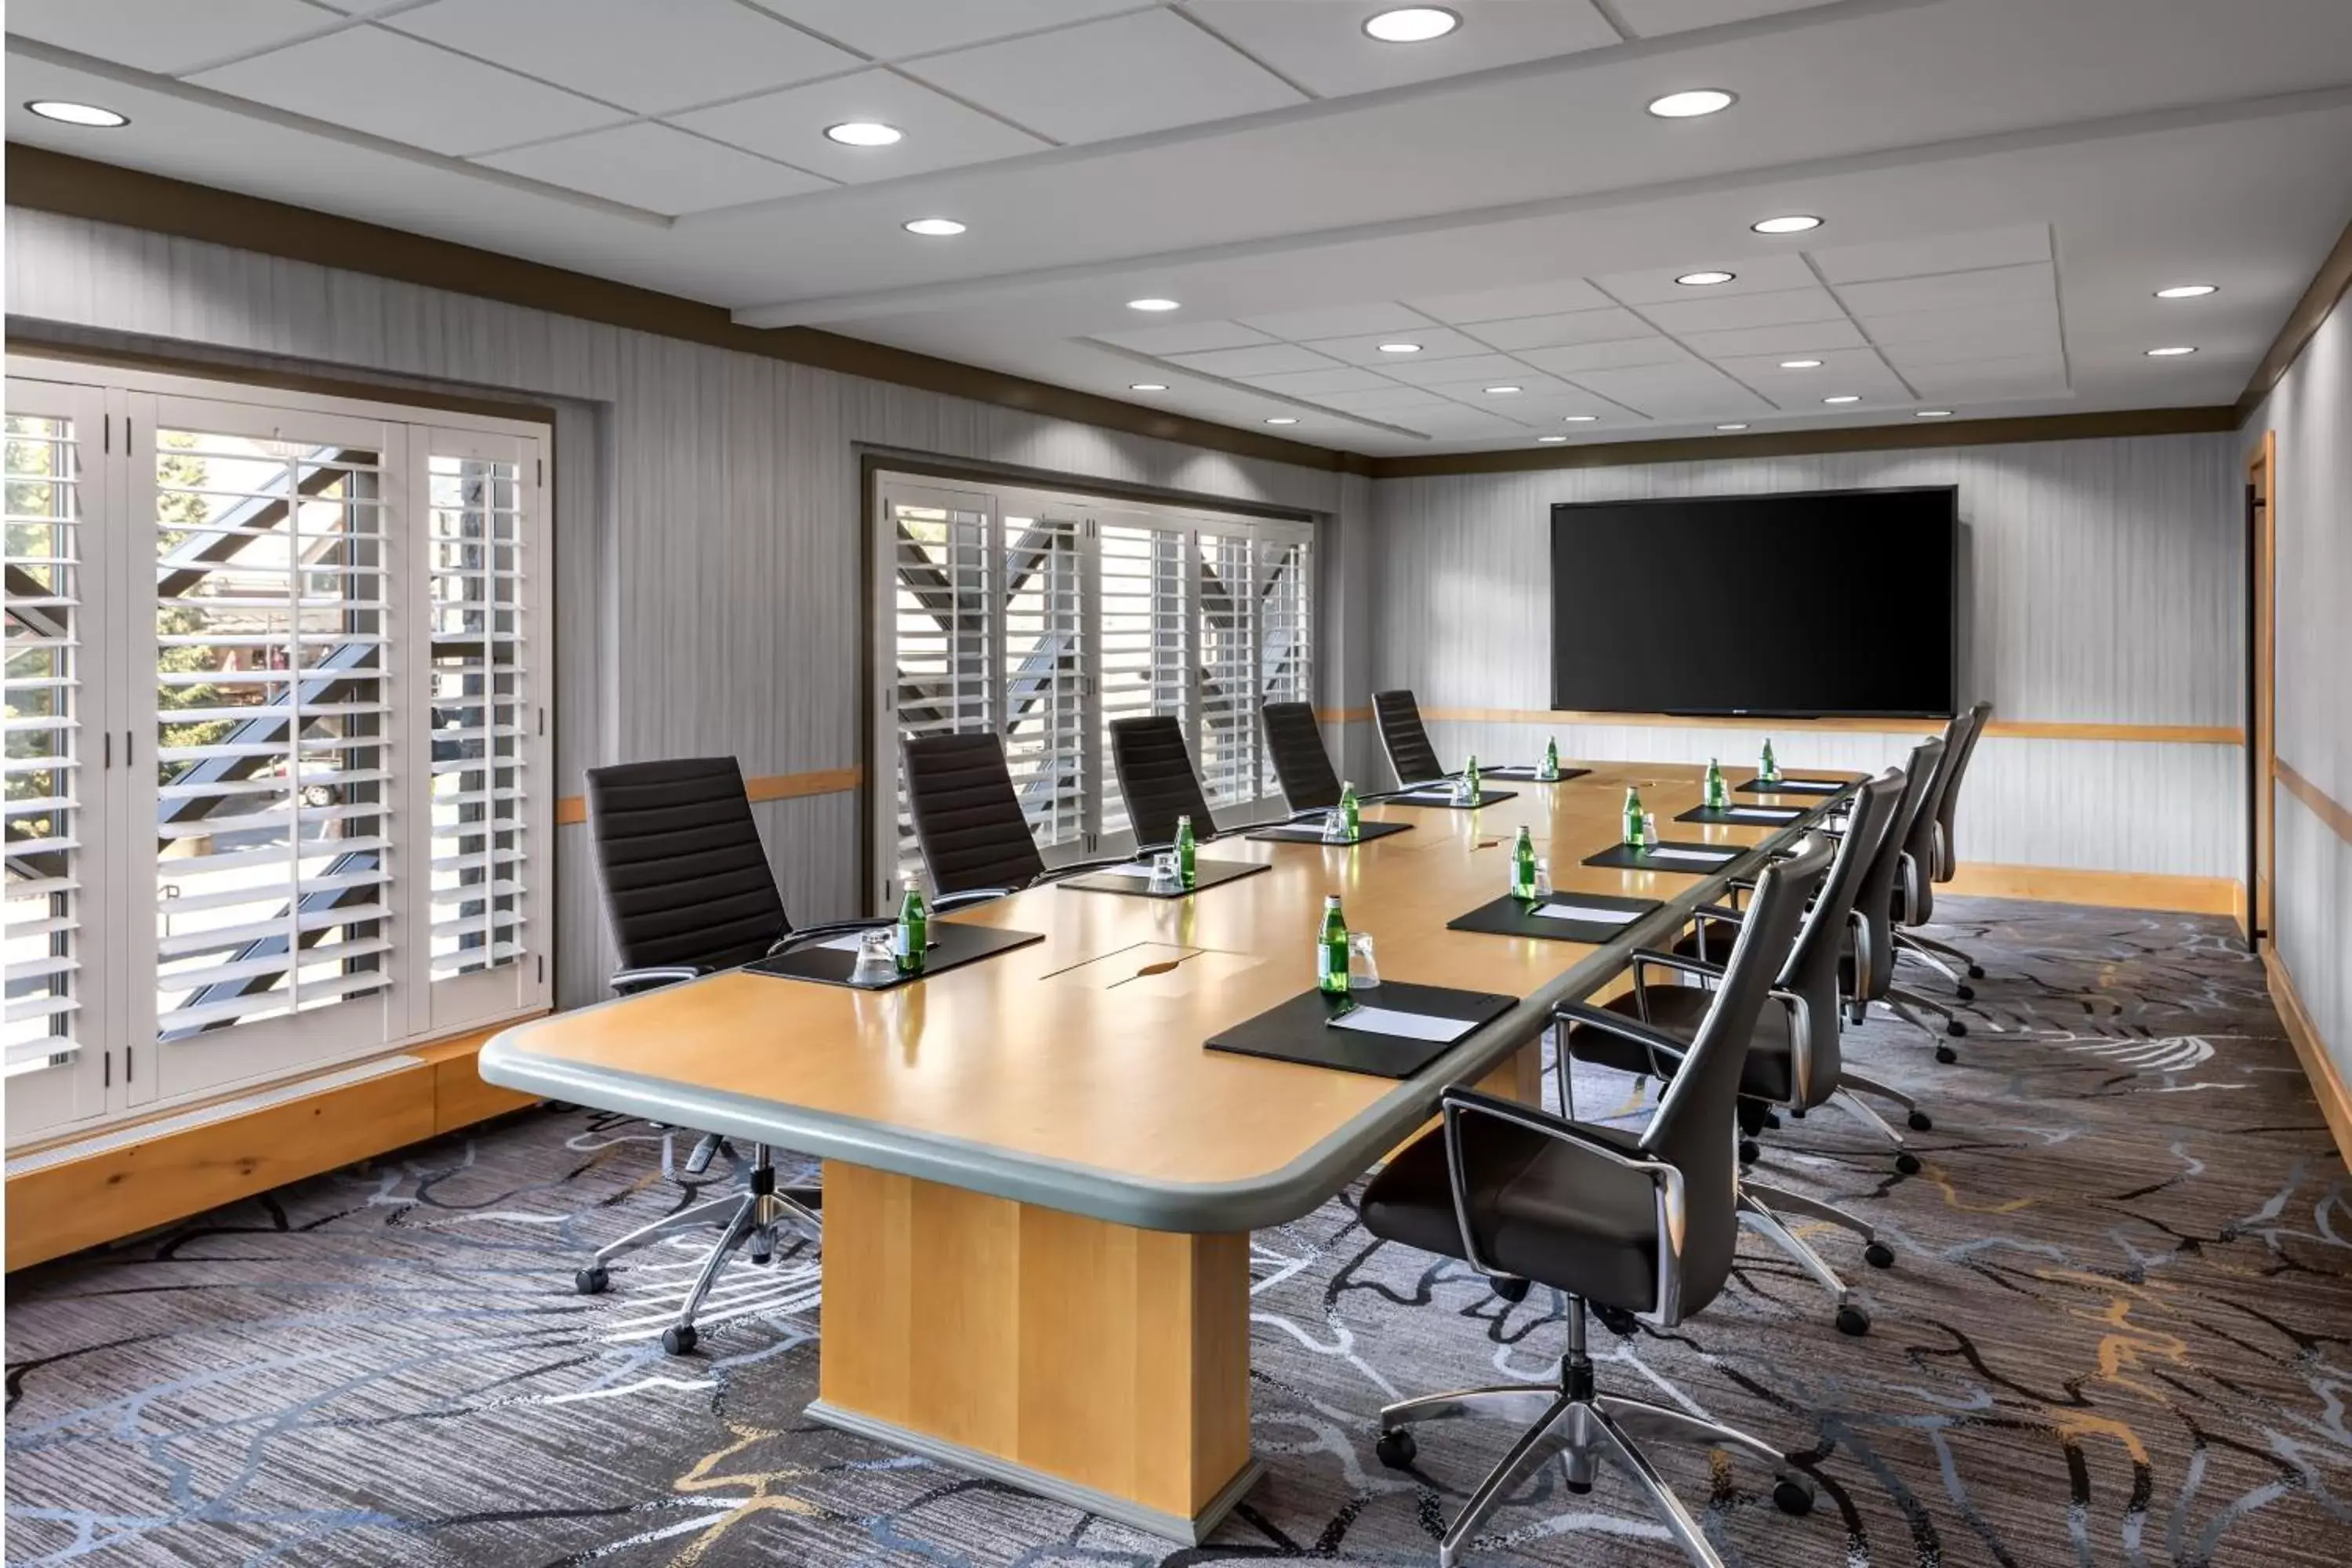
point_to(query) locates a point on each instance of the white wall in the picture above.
(2102, 586)
(2311, 412)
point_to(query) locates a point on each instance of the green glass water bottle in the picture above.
(1331, 949)
(1551, 757)
(1768, 769)
(913, 936)
(1470, 778)
(1633, 816)
(1718, 797)
(1351, 811)
(1185, 869)
(1522, 866)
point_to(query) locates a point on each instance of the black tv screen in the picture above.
(1811, 604)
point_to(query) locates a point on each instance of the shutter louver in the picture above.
(1043, 718)
(1226, 741)
(942, 585)
(1285, 632)
(1146, 616)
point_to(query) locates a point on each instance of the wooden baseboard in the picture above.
(124, 1188)
(2114, 889)
(2326, 1083)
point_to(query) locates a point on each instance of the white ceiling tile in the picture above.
(1663, 390)
(1385, 401)
(1185, 337)
(1552, 332)
(1953, 290)
(1796, 338)
(655, 167)
(940, 133)
(1723, 313)
(1340, 322)
(1569, 359)
(1420, 370)
(1534, 387)
(1549, 415)
(2029, 375)
(165, 36)
(1455, 421)
(1324, 47)
(1962, 348)
(1436, 343)
(1926, 326)
(1938, 253)
(396, 86)
(1269, 359)
(1655, 18)
(1500, 304)
(1119, 76)
(644, 57)
(1314, 383)
(1751, 274)
(1845, 371)
(893, 29)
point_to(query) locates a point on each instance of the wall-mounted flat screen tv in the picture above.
(1827, 602)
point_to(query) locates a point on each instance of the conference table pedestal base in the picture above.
(1091, 1362)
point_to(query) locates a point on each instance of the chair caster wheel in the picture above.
(1955, 1028)
(1965, 992)
(1578, 1489)
(1853, 1320)
(1946, 1055)
(1921, 1121)
(759, 1259)
(1772, 1120)
(1616, 1320)
(1976, 972)
(1396, 1448)
(1795, 1113)
(1749, 1151)
(592, 1280)
(1793, 1496)
(678, 1339)
(1878, 1255)
(1510, 1289)
(1907, 1162)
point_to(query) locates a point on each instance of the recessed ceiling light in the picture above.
(1705, 279)
(1413, 24)
(1549, 440)
(2173, 352)
(1692, 104)
(1795, 223)
(1152, 305)
(1501, 391)
(864, 133)
(933, 227)
(1731, 426)
(2188, 291)
(1282, 419)
(1843, 398)
(1147, 386)
(1933, 413)
(1400, 348)
(1579, 418)
(88, 114)
(1800, 365)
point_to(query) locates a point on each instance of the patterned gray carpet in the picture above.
(2115, 1333)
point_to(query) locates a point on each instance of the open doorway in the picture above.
(2262, 671)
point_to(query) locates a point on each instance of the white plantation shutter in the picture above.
(1040, 710)
(1286, 645)
(1145, 616)
(1225, 744)
(943, 585)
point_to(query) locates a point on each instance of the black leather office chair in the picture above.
(1156, 779)
(1410, 756)
(1300, 762)
(1960, 745)
(1793, 1058)
(967, 817)
(687, 892)
(1632, 1225)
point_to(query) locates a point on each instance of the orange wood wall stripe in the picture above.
(573, 808)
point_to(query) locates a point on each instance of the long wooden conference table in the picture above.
(1039, 1185)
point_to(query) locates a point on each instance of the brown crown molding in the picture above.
(2328, 286)
(106, 193)
(1806, 443)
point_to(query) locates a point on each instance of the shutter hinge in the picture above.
(129, 1062)
(542, 719)
(542, 465)
(108, 1080)
(543, 969)
(106, 433)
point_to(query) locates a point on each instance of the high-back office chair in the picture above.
(1868, 976)
(1410, 756)
(687, 891)
(1960, 742)
(1793, 1058)
(1156, 779)
(1300, 762)
(1639, 1225)
(968, 820)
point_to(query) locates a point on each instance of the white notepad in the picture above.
(1588, 914)
(1412, 1025)
(1443, 797)
(1764, 814)
(1130, 869)
(1702, 857)
(849, 943)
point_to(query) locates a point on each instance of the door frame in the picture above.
(2262, 686)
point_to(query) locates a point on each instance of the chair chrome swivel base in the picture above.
(1581, 1426)
(750, 1216)
(1758, 1203)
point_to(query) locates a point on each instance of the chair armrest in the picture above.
(969, 896)
(1649, 957)
(1080, 867)
(1659, 1045)
(629, 981)
(1666, 1181)
(806, 934)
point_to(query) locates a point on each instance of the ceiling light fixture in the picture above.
(864, 133)
(1795, 223)
(1705, 279)
(1549, 440)
(2189, 292)
(1153, 305)
(932, 228)
(1147, 386)
(1400, 348)
(84, 114)
(1800, 365)
(1692, 104)
(1411, 24)
(1731, 426)
(1933, 413)
(1282, 419)
(1501, 391)
(2175, 352)
(1579, 418)
(1843, 398)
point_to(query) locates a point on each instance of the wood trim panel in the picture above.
(80, 187)
(1343, 715)
(121, 1191)
(2327, 809)
(395, 390)
(2326, 1083)
(2328, 286)
(2012, 729)
(572, 809)
(2108, 890)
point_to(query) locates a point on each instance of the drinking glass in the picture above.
(1334, 826)
(876, 960)
(1165, 872)
(1650, 829)
(1363, 966)
(1543, 877)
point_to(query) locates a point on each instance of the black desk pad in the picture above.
(1510, 916)
(1205, 874)
(1299, 1030)
(1777, 816)
(1312, 833)
(1792, 787)
(1519, 770)
(951, 947)
(1447, 803)
(1625, 857)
